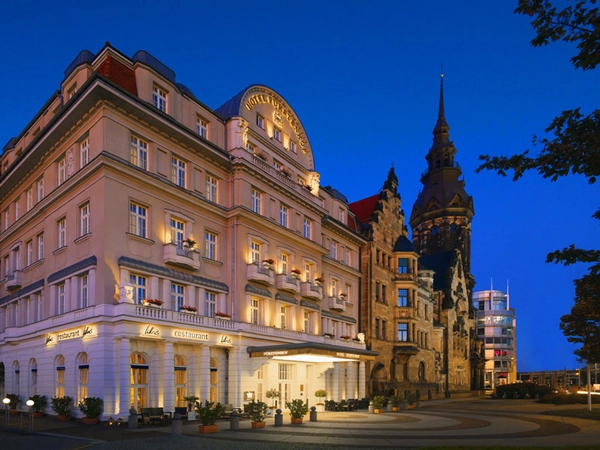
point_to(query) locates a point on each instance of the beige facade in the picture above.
(126, 189)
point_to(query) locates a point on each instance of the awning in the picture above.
(311, 352)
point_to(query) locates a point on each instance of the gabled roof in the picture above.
(403, 244)
(363, 209)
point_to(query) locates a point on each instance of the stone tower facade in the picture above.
(442, 214)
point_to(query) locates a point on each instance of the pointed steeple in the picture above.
(442, 151)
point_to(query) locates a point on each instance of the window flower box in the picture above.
(345, 337)
(188, 309)
(328, 335)
(189, 243)
(222, 315)
(296, 273)
(153, 303)
(268, 263)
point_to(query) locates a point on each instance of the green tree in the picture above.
(582, 324)
(573, 145)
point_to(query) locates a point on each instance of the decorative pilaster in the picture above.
(361, 379)
(351, 379)
(205, 373)
(124, 354)
(169, 377)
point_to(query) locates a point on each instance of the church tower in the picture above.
(441, 216)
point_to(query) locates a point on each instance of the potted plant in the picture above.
(191, 401)
(410, 398)
(296, 273)
(188, 309)
(395, 400)
(378, 402)
(222, 315)
(328, 335)
(39, 404)
(208, 414)
(258, 412)
(152, 302)
(298, 409)
(62, 407)
(15, 400)
(189, 243)
(319, 281)
(91, 407)
(268, 263)
(320, 394)
(273, 393)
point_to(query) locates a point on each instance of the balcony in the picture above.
(339, 304)
(404, 277)
(310, 290)
(260, 274)
(14, 279)
(180, 256)
(286, 282)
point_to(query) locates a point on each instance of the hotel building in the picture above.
(153, 248)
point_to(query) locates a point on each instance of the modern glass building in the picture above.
(496, 327)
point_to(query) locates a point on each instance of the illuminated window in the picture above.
(177, 232)
(211, 188)
(283, 316)
(59, 380)
(256, 201)
(283, 215)
(284, 262)
(180, 381)
(211, 246)
(255, 251)
(139, 284)
(138, 382)
(254, 310)
(177, 171)
(177, 295)
(83, 378)
(137, 219)
(210, 304)
(138, 153)
(307, 231)
(277, 134)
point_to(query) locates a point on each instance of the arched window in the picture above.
(82, 378)
(139, 381)
(434, 230)
(17, 377)
(59, 379)
(32, 377)
(180, 380)
(421, 371)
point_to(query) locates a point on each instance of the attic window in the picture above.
(71, 91)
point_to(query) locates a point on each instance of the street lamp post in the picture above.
(30, 422)
(6, 401)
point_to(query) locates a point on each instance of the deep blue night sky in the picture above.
(364, 80)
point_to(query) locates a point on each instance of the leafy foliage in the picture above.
(209, 412)
(298, 408)
(39, 402)
(91, 407)
(522, 390)
(577, 23)
(61, 405)
(582, 324)
(257, 410)
(572, 148)
(568, 399)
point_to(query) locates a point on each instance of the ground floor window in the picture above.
(139, 382)
(180, 381)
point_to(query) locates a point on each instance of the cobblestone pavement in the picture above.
(460, 422)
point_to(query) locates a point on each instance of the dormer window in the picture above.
(202, 127)
(159, 98)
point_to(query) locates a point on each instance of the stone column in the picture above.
(351, 380)
(233, 386)
(124, 355)
(169, 377)
(205, 373)
(336, 388)
(361, 380)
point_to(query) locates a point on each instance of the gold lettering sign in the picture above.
(71, 334)
(190, 335)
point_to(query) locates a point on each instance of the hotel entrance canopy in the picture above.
(311, 352)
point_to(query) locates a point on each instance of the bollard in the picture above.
(133, 419)
(234, 422)
(371, 407)
(176, 424)
(313, 414)
(278, 418)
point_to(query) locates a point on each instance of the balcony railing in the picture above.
(286, 282)
(311, 290)
(14, 279)
(260, 274)
(177, 255)
(337, 303)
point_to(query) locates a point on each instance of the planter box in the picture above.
(258, 424)
(296, 421)
(376, 411)
(205, 429)
(63, 418)
(38, 414)
(89, 420)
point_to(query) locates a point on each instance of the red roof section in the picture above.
(363, 209)
(119, 73)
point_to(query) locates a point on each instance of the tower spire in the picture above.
(441, 108)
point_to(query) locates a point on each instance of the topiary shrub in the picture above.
(521, 391)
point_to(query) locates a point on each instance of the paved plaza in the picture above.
(449, 422)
